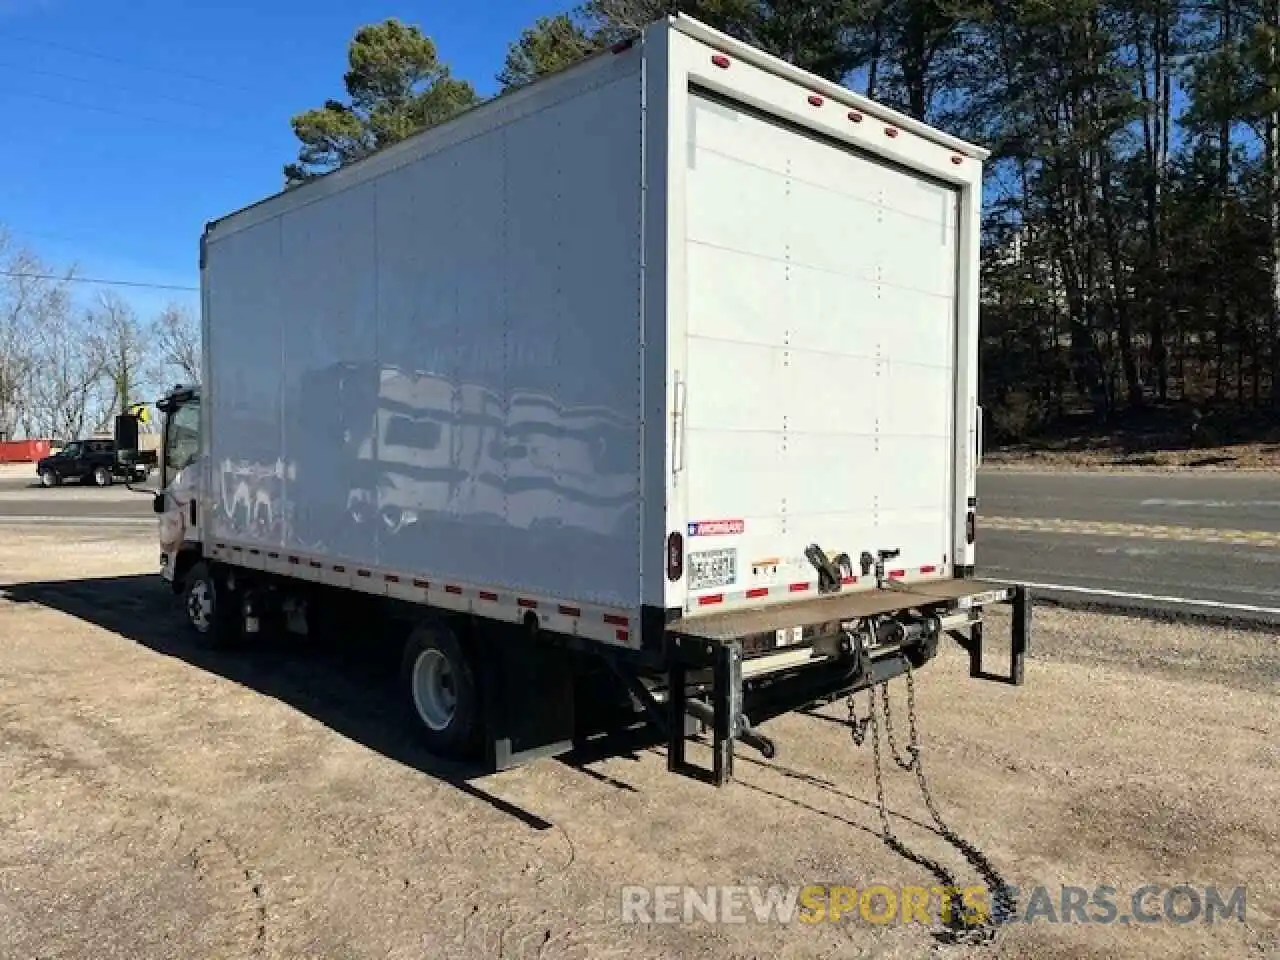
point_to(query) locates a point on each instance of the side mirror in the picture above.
(157, 503)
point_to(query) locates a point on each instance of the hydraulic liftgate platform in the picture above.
(872, 636)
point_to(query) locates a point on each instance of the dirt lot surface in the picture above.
(163, 801)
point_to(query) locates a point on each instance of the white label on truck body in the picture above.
(713, 568)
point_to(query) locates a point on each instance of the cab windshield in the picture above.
(182, 439)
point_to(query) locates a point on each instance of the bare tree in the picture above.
(177, 338)
(125, 354)
(19, 294)
(66, 395)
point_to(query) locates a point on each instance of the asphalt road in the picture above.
(22, 498)
(1205, 544)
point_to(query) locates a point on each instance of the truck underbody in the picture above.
(537, 692)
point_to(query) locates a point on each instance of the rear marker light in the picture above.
(527, 603)
(713, 599)
(721, 61)
(675, 556)
(616, 620)
(815, 100)
(855, 116)
(957, 160)
(756, 592)
(798, 587)
(929, 569)
(622, 635)
(424, 584)
(897, 574)
(569, 611)
(848, 580)
(486, 595)
(450, 588)
(890, 131)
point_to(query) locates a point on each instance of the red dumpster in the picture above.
(24, 451)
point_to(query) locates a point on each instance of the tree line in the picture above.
(1131, 254)
(66, 369)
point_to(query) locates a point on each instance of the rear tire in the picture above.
(440, 691)
(49, 479)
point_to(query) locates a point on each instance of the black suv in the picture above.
(87, 460)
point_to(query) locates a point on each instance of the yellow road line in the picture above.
(1139, 531)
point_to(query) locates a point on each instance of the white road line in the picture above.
(1150, 597)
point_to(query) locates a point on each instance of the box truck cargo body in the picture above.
(670, 357)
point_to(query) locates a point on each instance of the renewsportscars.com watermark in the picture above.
(882, 904)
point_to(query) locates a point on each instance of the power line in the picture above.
(165, 71)
(128, 115)
(137, 284)
(132, 91)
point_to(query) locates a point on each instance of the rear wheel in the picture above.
(101, 477)
(441, 691)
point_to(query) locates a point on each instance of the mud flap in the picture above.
(528, 697)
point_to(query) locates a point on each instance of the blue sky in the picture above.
(133, 122)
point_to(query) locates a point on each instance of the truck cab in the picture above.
(177, 503)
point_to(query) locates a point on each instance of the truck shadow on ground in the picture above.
(350, 687)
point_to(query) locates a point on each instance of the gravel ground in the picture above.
(164, 801)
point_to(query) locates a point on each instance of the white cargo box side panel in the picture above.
(822, 296)
(435, 358)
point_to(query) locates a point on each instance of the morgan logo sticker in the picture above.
(717, 528)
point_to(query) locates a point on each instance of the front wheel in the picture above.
(49, 479)
(203, 599)
(101, 477)
(441, 691)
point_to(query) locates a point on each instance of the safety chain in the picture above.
(961, 929)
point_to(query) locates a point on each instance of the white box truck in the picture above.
(657, 376)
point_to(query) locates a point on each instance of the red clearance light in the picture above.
(855, 116)
(890, 131)
(957, 160)
(815, 100)
(675, 556)
(721, 61)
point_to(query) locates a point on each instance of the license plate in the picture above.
(712, 568)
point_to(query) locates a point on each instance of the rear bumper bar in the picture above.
(735, 660)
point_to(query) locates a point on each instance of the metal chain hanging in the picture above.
(1004, 902)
